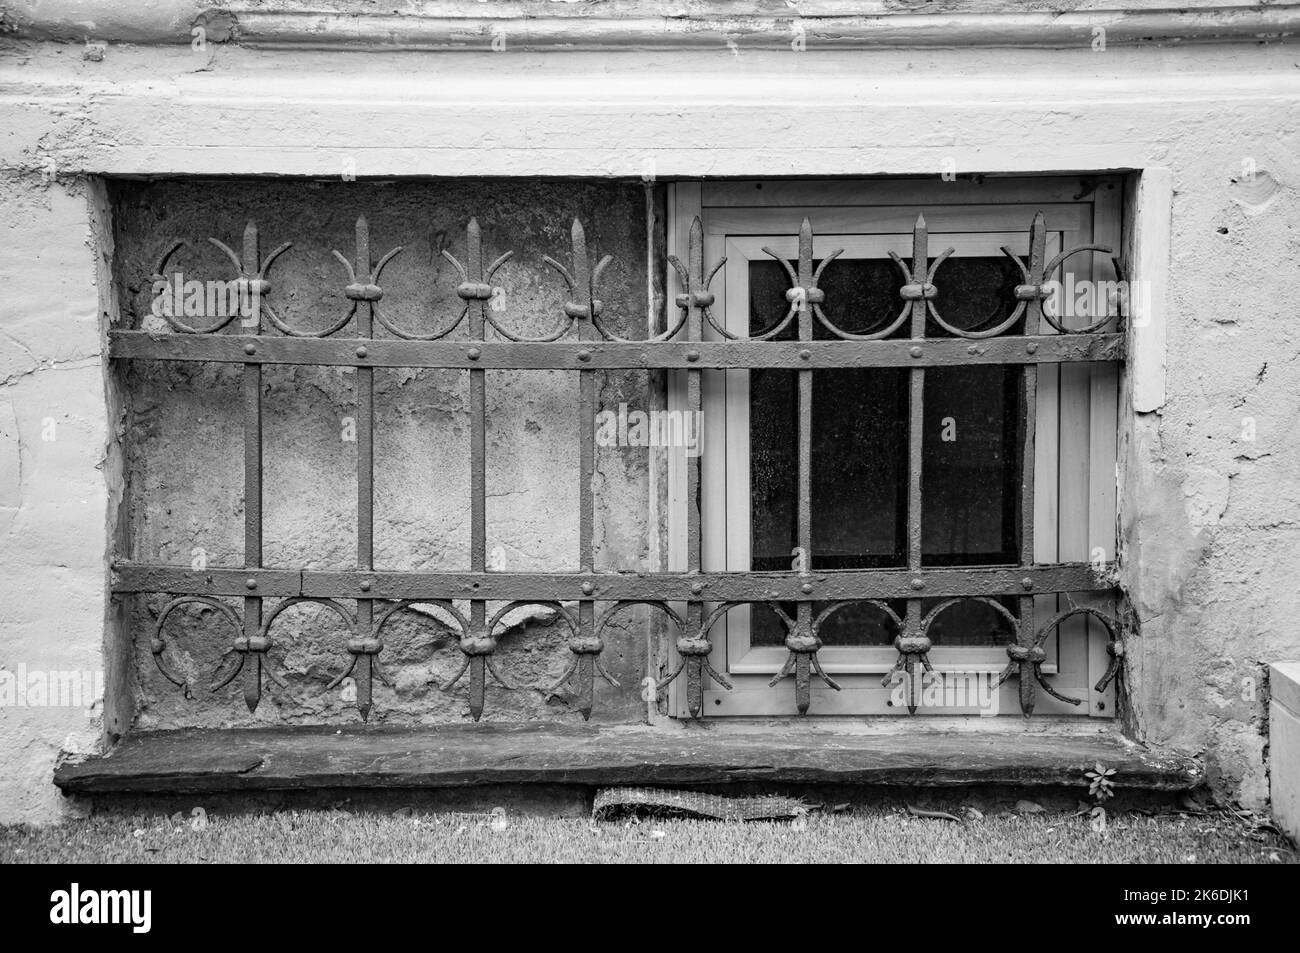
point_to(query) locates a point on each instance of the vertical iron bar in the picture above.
(693, 646)
(365, 472)
(1033, 325)
(916, 443)
(586, 437)
(694, 333)
(252, 400)
(803, 608)
(477, 466)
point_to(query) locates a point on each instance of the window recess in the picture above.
(932, 452)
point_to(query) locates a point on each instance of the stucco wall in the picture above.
(1209, 519)
(54, 492)
(1210, 495)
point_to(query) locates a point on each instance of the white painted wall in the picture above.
(53, 501)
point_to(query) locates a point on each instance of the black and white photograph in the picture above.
(675, 432)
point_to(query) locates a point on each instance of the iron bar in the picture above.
(607, 355)
(912, 642)
(801, 638)
(1033, 312)
(584, 308)
(478, 642)
(693, 645)
(253, 486)
(816, 586)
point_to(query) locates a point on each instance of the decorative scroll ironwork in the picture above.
(583, 340)
(477, 644)
(693, 652)
(1027, 658)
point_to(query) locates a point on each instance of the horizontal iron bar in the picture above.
(131, 577)
(668, 587)
(578, 355)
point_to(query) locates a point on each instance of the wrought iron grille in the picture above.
(367, 599)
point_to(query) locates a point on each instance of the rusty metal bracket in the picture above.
(695, 284)
(476, 645)
(1027, 658)
(475, 283)
(251, 279)
(803, 643)
(1035, 277)
(581, 283)
(694, 651)
(581, 671)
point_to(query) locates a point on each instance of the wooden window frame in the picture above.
(1076, 419)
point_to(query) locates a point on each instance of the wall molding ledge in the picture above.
(613, 25)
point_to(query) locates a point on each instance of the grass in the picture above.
(868, 835)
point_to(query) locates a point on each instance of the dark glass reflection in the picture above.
(970, 465)
(975, 294)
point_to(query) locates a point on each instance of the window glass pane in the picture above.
(970, 465)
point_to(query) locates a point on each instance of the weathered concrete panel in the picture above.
(185, 440)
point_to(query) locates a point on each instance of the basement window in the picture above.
(392, 448)
(920, 467)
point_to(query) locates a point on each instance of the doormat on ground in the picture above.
(614, 803)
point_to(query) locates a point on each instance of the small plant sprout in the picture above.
(1100, 786)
